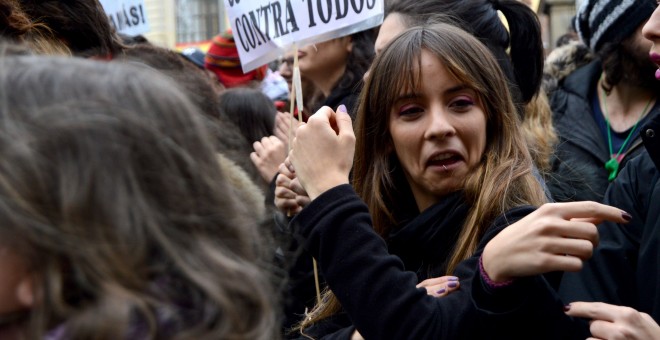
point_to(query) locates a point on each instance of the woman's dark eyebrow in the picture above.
(415, 95)
(405, 96)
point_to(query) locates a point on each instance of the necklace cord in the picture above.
(609, 133)
(612, 165)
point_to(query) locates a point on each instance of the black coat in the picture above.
(379, 295)
(578, 165)
(624, 269)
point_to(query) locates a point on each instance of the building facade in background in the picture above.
(181, 23)
(184, 22)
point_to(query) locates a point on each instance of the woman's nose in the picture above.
(440, 125)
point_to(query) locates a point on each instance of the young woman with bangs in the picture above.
(442, 185)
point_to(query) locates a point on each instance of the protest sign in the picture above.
(264, 30)
(127, 16)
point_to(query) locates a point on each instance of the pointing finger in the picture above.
(588, 209)
(593, 310)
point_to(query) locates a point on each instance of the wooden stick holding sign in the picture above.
(297, 97)
(297, 87)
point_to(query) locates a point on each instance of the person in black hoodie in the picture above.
(440, 169)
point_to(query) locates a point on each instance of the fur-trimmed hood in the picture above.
(562, 61)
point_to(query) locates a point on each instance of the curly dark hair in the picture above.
(625, 62)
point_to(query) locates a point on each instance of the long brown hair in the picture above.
(504, 178)
(111, 190)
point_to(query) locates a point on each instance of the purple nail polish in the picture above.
(452, 284)
(441, 291)
(567, 308)
(453, 278)
(342, 108)
(626, 216)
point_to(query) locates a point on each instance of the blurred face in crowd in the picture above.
(286, 69)
(438, 132)
(325, 61)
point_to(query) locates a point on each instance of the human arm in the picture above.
(555, 237)
(615, 322)
(374, 288)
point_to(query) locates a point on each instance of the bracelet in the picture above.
(491, 284)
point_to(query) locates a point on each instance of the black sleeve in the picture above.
(380, 296)
(374, 289)
(527, 308)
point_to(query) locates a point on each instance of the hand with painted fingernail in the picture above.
(440, 286)
(555, 237)
(615, 322)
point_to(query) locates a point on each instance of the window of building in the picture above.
(198, 20)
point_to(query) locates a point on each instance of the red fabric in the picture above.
(222, 59)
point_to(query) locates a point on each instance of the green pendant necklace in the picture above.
(612, 166)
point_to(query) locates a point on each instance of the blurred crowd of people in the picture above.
(445, 179)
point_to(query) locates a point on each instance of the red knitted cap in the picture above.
(223, 60)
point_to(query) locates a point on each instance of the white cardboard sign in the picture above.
(127, 16)
(264, 30)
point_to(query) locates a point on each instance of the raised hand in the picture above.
(322, 152)
(268, 154)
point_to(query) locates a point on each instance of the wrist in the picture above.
(317, 190)
(491, 282)
(489, 269)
